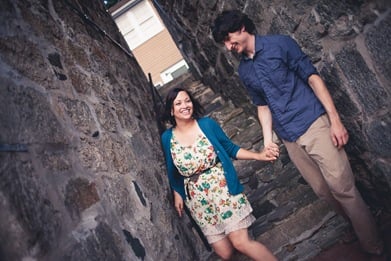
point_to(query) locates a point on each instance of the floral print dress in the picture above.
(215, 210)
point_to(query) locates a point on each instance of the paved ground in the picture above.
(352, 251)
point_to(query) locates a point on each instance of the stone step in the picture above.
(301, 226)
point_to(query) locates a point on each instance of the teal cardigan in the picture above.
(224, 148)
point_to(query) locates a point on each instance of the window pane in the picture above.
(124, 24)
(133, 39)
(142, 12)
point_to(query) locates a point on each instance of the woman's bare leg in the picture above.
(251, 248)
(223, 248)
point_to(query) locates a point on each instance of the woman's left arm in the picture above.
(270, 153)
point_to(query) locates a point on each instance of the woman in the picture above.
(202, 176)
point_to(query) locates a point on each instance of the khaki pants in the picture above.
(327, 171)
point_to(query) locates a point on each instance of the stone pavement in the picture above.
(352, 251)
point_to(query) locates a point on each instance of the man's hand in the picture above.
(339, 134)
(271, 151)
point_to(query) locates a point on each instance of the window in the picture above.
(139, 24)
(174, 71)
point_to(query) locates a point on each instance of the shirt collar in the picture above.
(258, 47)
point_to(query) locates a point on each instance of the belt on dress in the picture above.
(192, 178)
(195, 177)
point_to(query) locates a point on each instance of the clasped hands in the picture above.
(270, 152)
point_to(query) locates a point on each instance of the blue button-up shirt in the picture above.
(277, 76)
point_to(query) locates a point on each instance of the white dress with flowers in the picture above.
(215, 210)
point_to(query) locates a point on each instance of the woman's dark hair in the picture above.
(231, 21)
(198, 110)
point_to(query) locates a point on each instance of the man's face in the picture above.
(236, 42)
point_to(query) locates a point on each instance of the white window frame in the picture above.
(167, 74)
(130, 23)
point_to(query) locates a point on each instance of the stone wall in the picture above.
(347, 40)
(81, 170)
(82, 175)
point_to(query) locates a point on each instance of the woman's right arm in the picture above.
(178, 201)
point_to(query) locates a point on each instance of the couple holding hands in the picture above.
(292, 100)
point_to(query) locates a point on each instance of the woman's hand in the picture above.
(178, 202)
(270, 153)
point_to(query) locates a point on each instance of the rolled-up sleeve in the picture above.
(297, 60)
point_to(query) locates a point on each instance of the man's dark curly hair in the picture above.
(198, 110)
(231, 21)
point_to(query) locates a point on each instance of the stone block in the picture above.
(371, 96)
(297, 227)
(378, 133)
(80, 194)
(379, 45)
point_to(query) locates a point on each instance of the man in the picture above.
(292, 99)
